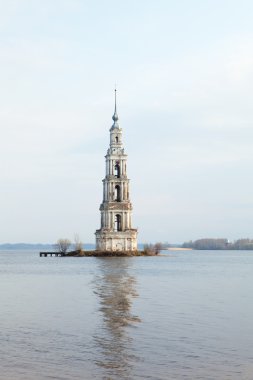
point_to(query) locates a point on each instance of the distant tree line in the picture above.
(213, 244)
(242, 244)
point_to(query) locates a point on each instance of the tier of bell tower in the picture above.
(116, 232)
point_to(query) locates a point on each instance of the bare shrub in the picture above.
(78, 243)
(158, 247)
(62, 245)
(152, 249)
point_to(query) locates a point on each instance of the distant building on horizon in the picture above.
(116, 232)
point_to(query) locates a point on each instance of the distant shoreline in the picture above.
(91, 247)
(177, 249)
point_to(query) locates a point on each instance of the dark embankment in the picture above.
(109, 254)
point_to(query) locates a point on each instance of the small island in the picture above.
(111, 253)
(62, 249)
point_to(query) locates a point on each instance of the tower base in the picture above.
(116, 240)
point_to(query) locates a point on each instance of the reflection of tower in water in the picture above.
(115, 288)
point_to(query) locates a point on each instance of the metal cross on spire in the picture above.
(115, 94)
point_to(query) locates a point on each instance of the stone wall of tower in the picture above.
(116, 232)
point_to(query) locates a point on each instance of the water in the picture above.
(185, 315)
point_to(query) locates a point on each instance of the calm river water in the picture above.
(184, 315)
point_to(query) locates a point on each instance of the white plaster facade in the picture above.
(116, 232)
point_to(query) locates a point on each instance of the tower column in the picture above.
(123, 221)
(112, 221)
(123, 167)
(122, 191)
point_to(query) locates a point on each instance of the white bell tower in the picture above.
(116, 232)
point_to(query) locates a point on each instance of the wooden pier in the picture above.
(55, 254)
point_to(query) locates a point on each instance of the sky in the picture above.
(184, 74)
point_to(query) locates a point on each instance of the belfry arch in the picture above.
(117, 223)
(117, 170)
(117, 193)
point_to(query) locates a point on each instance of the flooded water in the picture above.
(184, 315)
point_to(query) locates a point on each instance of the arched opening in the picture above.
(117, 193)
(117, 223)
(116, 139)
(117, 170)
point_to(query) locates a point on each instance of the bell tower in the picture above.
(116, 232)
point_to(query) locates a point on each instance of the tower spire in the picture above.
(115, 117)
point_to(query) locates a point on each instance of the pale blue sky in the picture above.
(184, 72)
